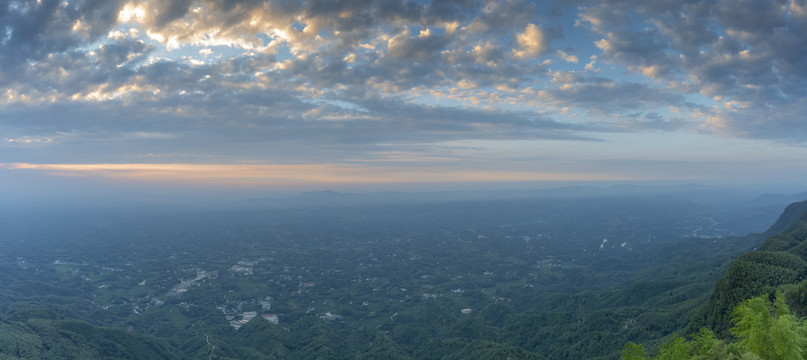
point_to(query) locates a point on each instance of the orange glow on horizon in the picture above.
(291, 174)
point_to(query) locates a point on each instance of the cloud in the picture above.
(30, 31)
(131, 76)
(739, 53)
(567, 57)
(531, 43)
(195, 80)
(421, 47)
(167, 11)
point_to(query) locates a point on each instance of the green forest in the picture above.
(537, 279)
(758, 309)
(763, 329)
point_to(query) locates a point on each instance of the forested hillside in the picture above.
(757, 309)
(41, 334)
(778, 264)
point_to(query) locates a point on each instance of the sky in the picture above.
(360, 94)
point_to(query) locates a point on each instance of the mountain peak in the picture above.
(789, 218)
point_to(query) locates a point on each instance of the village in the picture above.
(360, 276)
(266, 289)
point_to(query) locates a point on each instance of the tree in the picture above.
(634, 352)
(765, 330)
(768, 330)
(676, 349)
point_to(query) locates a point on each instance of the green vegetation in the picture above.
(777, 265)
(36, 338)
(763, 330)
(550, 279)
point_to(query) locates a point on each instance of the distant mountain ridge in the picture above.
(332, 198)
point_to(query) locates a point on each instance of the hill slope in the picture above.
(778, 264)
